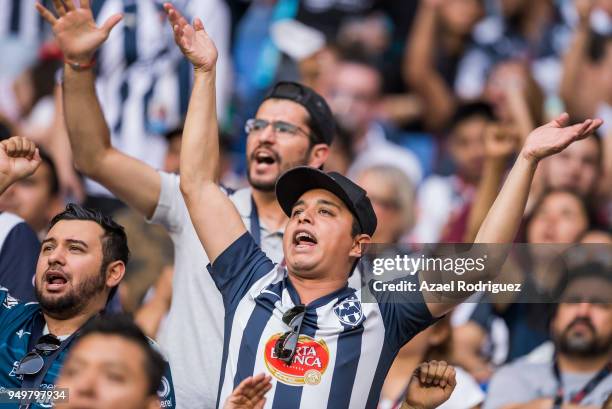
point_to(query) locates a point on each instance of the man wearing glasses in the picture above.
(293, 126)
(300, 321)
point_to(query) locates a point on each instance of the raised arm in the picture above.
(19, 158)
(214, 216)
(505, 216)
(79, 38)
(575, 57)
(500, 142)
(420, 70)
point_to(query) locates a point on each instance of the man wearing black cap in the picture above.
(299, 321)
(292, 127)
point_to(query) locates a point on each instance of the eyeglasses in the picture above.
(33, 361)
(286, 344)
(281, 128)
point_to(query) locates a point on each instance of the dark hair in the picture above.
(355, 227)
(54, 187)
(471, 110)
(114, 241)
(122, 326)
(43, 78)
(586, 206)
(355, 54)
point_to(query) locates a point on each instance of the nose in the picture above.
(84, 385)
(56, 256)
(267, 135)
(584, 309)
(305, 217)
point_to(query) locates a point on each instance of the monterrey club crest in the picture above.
(349, 311)
(308, 366)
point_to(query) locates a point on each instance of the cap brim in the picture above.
(297, 181)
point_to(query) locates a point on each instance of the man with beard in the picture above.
(581, 373)
(81, 262)
(293, 126)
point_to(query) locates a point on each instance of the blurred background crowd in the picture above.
(432, 99)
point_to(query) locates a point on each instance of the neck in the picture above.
(582, 364)
(61, 327)
(312, 289)
(269, 210)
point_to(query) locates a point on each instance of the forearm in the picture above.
(572, 62)
(492, 175)
(199, 160)
(87, 130)
(213, 215)
(418, 56)
(504, 218)
(420, 71)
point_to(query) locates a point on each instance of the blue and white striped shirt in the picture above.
(346, 346)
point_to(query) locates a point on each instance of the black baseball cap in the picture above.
(297, 181)
(321, 117)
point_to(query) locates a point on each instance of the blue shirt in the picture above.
(17, 321)
(19, 248)
(346, 345)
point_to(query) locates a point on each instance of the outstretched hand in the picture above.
(75, 29)
(19, 158)
(431, 385)
(250, 393)
(555, 136)
(193, 40)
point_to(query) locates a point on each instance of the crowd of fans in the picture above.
(425, 105)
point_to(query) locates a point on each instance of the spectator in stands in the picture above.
(81, 262)
(580, 374)
(440, 36)
(36, 198)
(443, 199)
(392, 196)
(113, 365)
(355, 95)
(19, 246)
(293, 126)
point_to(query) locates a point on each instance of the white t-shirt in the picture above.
(193, 335)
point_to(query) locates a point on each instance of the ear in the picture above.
(357, 242)
(318, 155)
(114, 273)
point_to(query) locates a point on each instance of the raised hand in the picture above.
(555, 136)
(19, 158)
(193, 41)
(250, 393)
(431, 385)
(500, 141)
(75, 29)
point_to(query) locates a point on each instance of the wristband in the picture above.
(78, 66)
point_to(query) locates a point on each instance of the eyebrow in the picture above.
(320, 201)
(71, 241)
(327, 202)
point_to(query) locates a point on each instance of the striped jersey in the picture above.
(345, 348)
